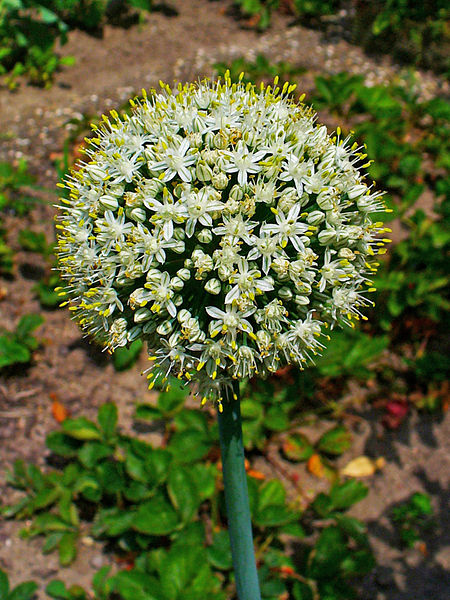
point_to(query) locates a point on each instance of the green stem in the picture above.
(236, 498)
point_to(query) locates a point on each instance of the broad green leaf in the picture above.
(4, 585)
(353, 528)
(335, 441)
(134, 585)
(93, 452)
(81, 429)
(155, 517)
(344, 495)
(24, 591)
(276, 418)
(62, 444)
(57, 589)
(171, 401)
(251, 409)
(189, 446)
(27, 324)
(219, 553)
(297, 447)
(147, 412)
(46, 497)
(12, 352)
(271, 493)
(67, 548)
(329, 550)
(158, 461)
(125, 357)
(274, 516)
(183, 492)
(107, 419)
(111, 476)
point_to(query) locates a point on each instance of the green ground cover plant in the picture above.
(151, 505)
(413, 518)
(30, 30)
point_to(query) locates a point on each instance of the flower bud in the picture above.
(326, 236)
(301, 300)
(183, 315)
(165, 328)
(220, 140)
(204, 236)
(236, 193)
(176, 284)
(137, 214)
(184, 274)
(179, 247)
(315, 217)
(142, 314)
(219, 179)
(213, 286)
(109, 202)
(203, 171)
(285, 293)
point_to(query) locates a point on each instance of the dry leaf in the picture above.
(255, 474)
(361, 466)
(315, 466)
(59, 411)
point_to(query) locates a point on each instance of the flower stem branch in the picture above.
(236, 498)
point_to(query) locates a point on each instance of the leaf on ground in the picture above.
(361, 466)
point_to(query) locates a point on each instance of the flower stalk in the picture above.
(236, 496)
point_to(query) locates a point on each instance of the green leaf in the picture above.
(81, 429)
(271, 493)
(107, 419)
(189, 446)
(352, 527)
(93, 452)
(134, 585)
(27, 324)
(62, 445)
(33, 241)
(158, 461)
(111, 477)
(422, 502)
(173, 400)
(274, 516)
(147, 412)
(4, 585)
(155, 517)
(46, 497)
(183, 492)
(297, 447)
(219, 553)
(57, 589)
(344, 495)
(251, 409)
(335, 441)
(12, 352)
(123, 358)
(328, 552)
(276, 418)
(67, 548)
(24, 591)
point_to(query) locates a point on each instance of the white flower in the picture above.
(221, 225)
(175, 162)
(243, 162)
(288, 228)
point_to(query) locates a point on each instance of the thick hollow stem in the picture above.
(236, 498)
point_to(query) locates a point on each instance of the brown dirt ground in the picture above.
(33, 124)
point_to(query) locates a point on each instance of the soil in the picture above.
(34, 124)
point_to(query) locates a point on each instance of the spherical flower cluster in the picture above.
(222, 225)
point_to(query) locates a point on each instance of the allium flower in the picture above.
(223, 226)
